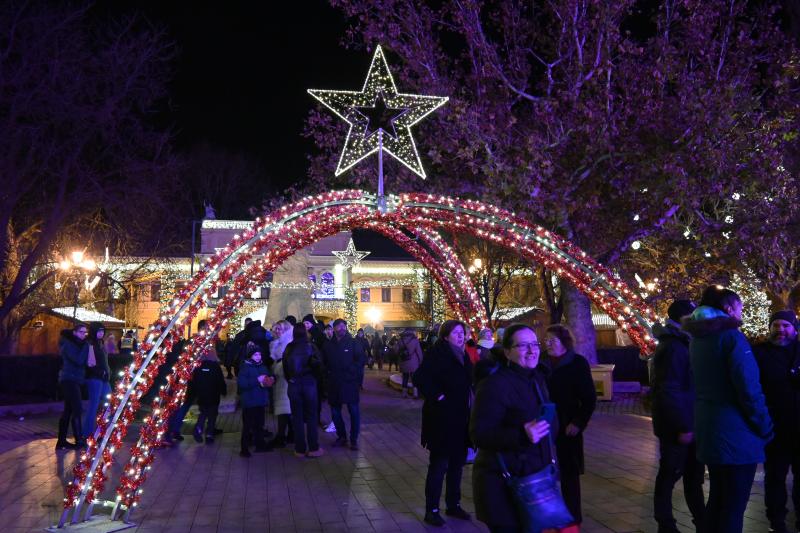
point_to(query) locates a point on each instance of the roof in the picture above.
(86, 315)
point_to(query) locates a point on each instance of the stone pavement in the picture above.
(196, 487)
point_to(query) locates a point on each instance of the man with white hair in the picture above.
(485, 342)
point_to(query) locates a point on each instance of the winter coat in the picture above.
(343, 360)
(280, 391)
(781, 392)
(732, 424)
(571, 388)
(365, 345)
(673, 386)
(100, 370)
(251, 393)
(74, 353)
(446, 384)
(410, 353)
(208, 383)
(505, 401)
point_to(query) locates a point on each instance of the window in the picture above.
(326, 290)
(155, 292)
(264, 293)
(408, 296)
(386, 294)
(365, 294)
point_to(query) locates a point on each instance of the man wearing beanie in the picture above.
(776, 359)
(673, 421)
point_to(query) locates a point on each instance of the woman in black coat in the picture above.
(445, 380)
(572, 389)
(505, 420)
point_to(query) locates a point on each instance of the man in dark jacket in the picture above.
(343, 357)
(207, 385)
(732, 424)
(74, 351)
(233, 355)
(779, 363)
(673, 421)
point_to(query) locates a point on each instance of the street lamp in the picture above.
(76, 267)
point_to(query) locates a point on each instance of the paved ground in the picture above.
(200, 488)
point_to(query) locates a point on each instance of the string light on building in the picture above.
(350, 257)
(369, 134)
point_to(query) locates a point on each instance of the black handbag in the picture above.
(537, 497)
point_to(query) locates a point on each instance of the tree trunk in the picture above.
(578, 316)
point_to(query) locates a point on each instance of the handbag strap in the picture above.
(551, 444)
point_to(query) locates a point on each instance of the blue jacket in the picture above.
(251, 393)
(74, 354)
(732, 424)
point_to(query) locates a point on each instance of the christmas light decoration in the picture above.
(350, 257)
(755, 303)
(393, 135)
(411, 220)
(351, 309)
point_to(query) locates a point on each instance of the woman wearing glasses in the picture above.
(507, 419)
(572, 389)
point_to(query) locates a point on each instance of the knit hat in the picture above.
(309, 318)
(291, 319)
(253, 348)
(786, 315)
(94, 327)
(680, 308)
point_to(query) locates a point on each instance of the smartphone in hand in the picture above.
(547, 412)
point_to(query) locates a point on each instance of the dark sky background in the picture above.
(241, 77)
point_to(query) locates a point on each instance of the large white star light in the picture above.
(350, 257)
(380, 118)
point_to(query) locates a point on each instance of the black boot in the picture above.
(80, 442)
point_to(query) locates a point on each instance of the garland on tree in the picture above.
(755, 303)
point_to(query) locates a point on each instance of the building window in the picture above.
(386, 294)
(365, 294)
(155, 292)
(408, 296)
(312, 278)
(264, 293)
(326, 290)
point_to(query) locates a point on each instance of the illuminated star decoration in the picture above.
(379, 117)
(350, 257)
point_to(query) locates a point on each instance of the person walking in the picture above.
(732, 424)
(301, 363)
(207, 386)
(378, 348)
(779, 367)
(445, 381)
(74, 352)
(253, 381)
(507, 420)
(410, 359)
(572, 390)
(342, 359)
(98, 375)
(673, 421)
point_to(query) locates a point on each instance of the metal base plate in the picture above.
(97, 524)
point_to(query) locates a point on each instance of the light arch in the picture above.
(249, 258)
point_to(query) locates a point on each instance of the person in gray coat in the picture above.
(410, 358)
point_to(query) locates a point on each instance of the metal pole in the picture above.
(381, 197)
(191, 268)
(77, 294)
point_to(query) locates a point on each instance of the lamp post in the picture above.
(76, 266)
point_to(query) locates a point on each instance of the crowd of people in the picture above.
(522, 403)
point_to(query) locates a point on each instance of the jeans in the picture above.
(303, 399)
(207, 418)
(780, 457)
(71, 390)
(253, 427)
(678, 461)
(97, 390)
(176, 420)
(727, 496)
(449, 463)
(406, 378)
(355, 421)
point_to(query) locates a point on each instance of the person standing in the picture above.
(410, 359)
(253, 381)
(779, 366)
(98, 375)
(507, 420)
(572, 390)
(362, 339)
(207, 386)
(673, 421)
(342, 359)
(377, 350)
(732, 424)
(485, 342)
(445, 381)
(301, 363)
(74, 352)
(282, 331)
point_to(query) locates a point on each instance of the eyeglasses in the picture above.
(529, 345)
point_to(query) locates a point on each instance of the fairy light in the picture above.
(379, 91)
(350, 257)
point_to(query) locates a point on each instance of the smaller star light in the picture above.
(380, 118)
(350, 257)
